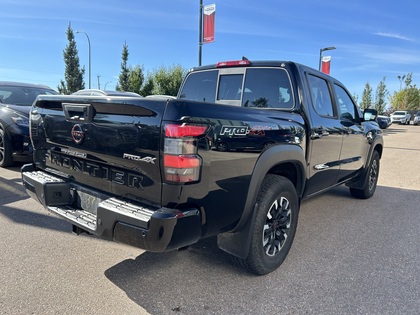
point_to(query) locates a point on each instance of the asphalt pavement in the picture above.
(349, 257)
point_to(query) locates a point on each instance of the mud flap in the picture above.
(238, 243)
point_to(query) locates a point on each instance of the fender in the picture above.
(237, 241)
(376, 144)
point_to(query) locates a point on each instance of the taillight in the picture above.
(181, 162)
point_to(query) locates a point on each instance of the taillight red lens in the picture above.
(179, 131)
(181, 162)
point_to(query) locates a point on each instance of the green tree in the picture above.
(397, 100)
(168, 80)
(148, 87)
(123, 79)
(73, 74)
(136, 79)
(356, 98)
(408, 79)
(381, 94)
(367, 98)
(408, 98)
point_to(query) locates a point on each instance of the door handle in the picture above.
(319, 133)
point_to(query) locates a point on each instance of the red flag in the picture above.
(208, 23)
(326, 63)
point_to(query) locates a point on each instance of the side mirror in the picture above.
(370, 114)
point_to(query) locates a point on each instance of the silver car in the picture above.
(401, 116)
(416, 120)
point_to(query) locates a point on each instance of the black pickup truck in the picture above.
(233, 155)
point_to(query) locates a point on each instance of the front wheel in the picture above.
(275, 225)
(371, 180)
(5, 150)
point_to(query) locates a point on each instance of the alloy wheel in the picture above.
(277, 226)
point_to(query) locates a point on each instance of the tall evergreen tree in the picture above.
(367, 98)
(356, 98)
(381, 94)
(73, 74)
(124, 77)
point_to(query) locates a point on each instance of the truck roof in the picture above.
(247, 63)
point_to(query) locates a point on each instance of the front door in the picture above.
(354, 141)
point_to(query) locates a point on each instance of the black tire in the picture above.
(222, 147)
(275, 225)
(371, 180)
(5, 150)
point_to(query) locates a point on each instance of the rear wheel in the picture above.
(5, 150)
(221, 146)
(371, 180)
(275, 225)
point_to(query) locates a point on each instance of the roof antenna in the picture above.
(244, 58)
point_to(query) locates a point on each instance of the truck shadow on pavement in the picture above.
(205, 280)
(164, 283)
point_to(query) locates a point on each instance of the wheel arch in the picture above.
(283, 160)
(376, 146)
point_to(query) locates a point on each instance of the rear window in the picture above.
(261, 88)
(230, 87)
(22, 95)
(201, 86)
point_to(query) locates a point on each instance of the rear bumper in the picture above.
(112, 218)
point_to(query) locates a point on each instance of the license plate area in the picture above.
(87, 201)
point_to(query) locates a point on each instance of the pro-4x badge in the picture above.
(147, 159)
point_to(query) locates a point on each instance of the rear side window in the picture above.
(321, 96)
(267, 88)
(200, 86)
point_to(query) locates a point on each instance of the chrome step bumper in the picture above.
(110, 217)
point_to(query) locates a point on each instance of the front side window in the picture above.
(345, 105)
(267, 88)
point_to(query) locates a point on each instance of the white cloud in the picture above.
(396, 36)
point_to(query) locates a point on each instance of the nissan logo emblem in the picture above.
(77, 134)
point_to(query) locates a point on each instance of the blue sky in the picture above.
(373, 39)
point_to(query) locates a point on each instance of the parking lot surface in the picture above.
(349, 257)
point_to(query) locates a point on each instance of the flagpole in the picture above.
(200, 35)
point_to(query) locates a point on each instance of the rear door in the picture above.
(325, 135)
(112, 145)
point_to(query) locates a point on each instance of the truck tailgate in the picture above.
(112, 146)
